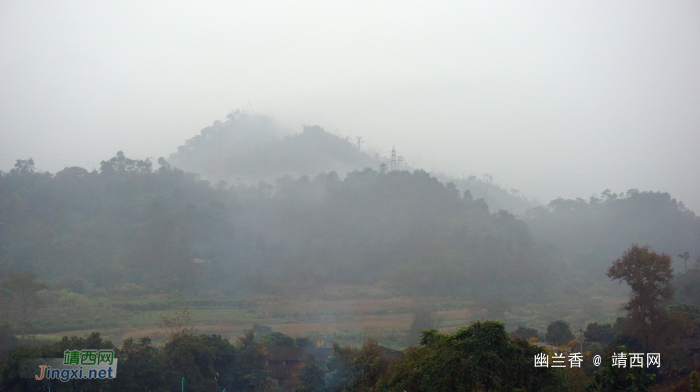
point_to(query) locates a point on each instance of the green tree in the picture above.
(694, 381)
(22, 288)
(350, 369)
(277, 339)
(601, 333)
(187, 356)
(139, 367)
(559, 333)
(480, 357)
(251, 372)
(225, 357)
(10, 377)
(611, 379)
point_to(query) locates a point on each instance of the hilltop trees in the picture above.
(252, 147)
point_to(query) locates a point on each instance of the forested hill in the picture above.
(248, 148)
(129, 226)
(591, 233)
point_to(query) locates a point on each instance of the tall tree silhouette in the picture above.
(649, 275)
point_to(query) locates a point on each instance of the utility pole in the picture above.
(581, 336)
(685, 256)
(393, 158)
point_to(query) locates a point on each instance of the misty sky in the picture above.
(552, 98)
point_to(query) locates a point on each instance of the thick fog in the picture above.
(551, 98)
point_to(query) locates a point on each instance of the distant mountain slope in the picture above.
(248, 148)
(592, 233)
(495, 196)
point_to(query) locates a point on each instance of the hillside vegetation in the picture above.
(591, 233)
(165, 230)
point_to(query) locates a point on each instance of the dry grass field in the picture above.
(345, 315)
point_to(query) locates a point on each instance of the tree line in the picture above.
(166, 230)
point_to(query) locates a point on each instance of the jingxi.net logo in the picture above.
(75, 365)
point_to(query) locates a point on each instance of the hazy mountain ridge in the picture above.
(247, 148)
(496, 197)
(591, 233)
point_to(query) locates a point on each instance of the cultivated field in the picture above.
(347, 315)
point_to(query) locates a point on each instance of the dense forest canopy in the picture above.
(591, 233)
(164, 229)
